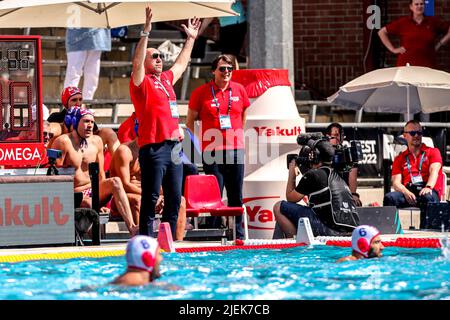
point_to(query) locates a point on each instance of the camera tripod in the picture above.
(52, 170)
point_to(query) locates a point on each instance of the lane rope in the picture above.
(251, 244)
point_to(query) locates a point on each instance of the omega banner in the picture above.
(36, 210)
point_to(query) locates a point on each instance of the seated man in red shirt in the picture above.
(416, 173)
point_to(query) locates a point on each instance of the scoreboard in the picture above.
(21, 138)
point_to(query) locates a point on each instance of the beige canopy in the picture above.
(95, 13)
(405, 89)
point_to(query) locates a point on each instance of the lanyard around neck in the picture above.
(217, 102)
(162, 86)
(420, 165)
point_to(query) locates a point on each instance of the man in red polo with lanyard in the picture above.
(416, 173)
(154, 100)
(220, 105)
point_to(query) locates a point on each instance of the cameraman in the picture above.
(416, 173)
(335, 134)
(331, 209)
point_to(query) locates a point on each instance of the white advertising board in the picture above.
(272, 126)
(34, 213)
(259, 200)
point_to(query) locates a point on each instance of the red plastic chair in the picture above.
(203, 198)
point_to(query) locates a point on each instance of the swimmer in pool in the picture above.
(366, 243)
(143, 262)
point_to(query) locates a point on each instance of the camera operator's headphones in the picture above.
(340, 127)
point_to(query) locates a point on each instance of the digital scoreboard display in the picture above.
(21, 142)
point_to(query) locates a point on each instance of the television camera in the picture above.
(344, 159)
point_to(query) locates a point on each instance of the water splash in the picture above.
(445, 244)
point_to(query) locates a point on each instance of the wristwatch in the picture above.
(429, 187)
(144, 34)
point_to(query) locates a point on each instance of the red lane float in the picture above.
(399, 242)
(241, 247)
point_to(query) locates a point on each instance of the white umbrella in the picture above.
(100, 14)
(405, 89)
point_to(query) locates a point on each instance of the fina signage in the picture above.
(36, 212)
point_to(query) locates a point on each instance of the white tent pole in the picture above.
(408, 115)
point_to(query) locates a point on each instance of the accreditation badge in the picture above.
(225, 122)
(174, 109)
(416, 179)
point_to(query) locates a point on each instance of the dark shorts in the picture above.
(87, 193)
(294, 212)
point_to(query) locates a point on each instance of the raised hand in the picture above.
(192, 28)
(148, 19)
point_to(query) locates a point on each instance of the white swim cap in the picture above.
(362, 238)
(141, 252)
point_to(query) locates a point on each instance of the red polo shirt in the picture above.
(432, 155)
(202, 101)
(126, 129)
(419, 40)
(152, 108)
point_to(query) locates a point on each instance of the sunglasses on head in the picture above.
(223, 69)
(157, 55)
(414, 133)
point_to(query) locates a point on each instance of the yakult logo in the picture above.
(259, 215)
(278, 131)
(31, 214)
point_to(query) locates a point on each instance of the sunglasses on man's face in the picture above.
(414, 133)
(223, 69)
(157, 55)
(48, 134)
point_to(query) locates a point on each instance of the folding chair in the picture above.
(203, 198)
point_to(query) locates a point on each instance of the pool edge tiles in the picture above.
(57, 253)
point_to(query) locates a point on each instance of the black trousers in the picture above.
(160, 166)
(228, 167)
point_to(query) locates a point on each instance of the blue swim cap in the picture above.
(74, 115)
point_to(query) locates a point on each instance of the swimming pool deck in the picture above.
(118, 249)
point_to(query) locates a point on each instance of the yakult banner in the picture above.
(262, 189)
(271, 131)
(36, 210)
(261, 220)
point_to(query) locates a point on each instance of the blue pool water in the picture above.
(295, 273)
